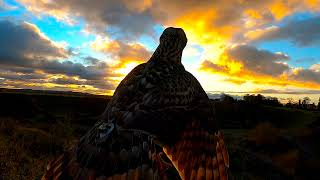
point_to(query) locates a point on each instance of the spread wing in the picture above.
(129, 155)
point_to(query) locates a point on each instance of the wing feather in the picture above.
(201, 154)
(137, 157)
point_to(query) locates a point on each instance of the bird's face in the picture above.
(173, 41)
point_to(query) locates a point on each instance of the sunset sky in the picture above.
(234, 46)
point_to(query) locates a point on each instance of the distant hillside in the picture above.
(28, 104)
(47, 92)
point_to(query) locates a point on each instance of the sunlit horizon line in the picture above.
(283, 97)
(257, 92)
(110, 92)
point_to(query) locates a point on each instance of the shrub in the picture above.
(264, 134)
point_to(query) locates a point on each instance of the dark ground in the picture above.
(265, 141)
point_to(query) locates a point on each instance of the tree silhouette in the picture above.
(306, 100)
(260, 99)
(227, 98)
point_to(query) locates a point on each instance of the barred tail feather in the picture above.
(201, 155)
(223, 148)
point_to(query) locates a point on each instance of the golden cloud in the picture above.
(237, 81)
(226, 67)
(125, 56)
(122, 51)
(258, 33)
(138, 6)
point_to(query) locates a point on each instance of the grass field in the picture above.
(269, 142)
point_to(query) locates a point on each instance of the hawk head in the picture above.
(173, 38)
(172, 42)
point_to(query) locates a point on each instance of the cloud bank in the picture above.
(29, 57)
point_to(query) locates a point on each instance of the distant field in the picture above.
(37, 126)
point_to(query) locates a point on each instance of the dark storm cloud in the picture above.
(259, 61)
(25, 40)
(301, 32)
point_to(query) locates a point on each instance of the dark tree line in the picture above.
(259, 99)
(305, 103)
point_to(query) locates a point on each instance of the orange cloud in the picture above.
(237, 81)
(139, 6)
(258, 33)
(243, 75)
(125, 56)
(123, 52)
(256, 78)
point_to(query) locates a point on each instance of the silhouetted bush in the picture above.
(264, 133)
(259, 99)
(287, 162)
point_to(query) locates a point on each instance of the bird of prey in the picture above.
(159, 124)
